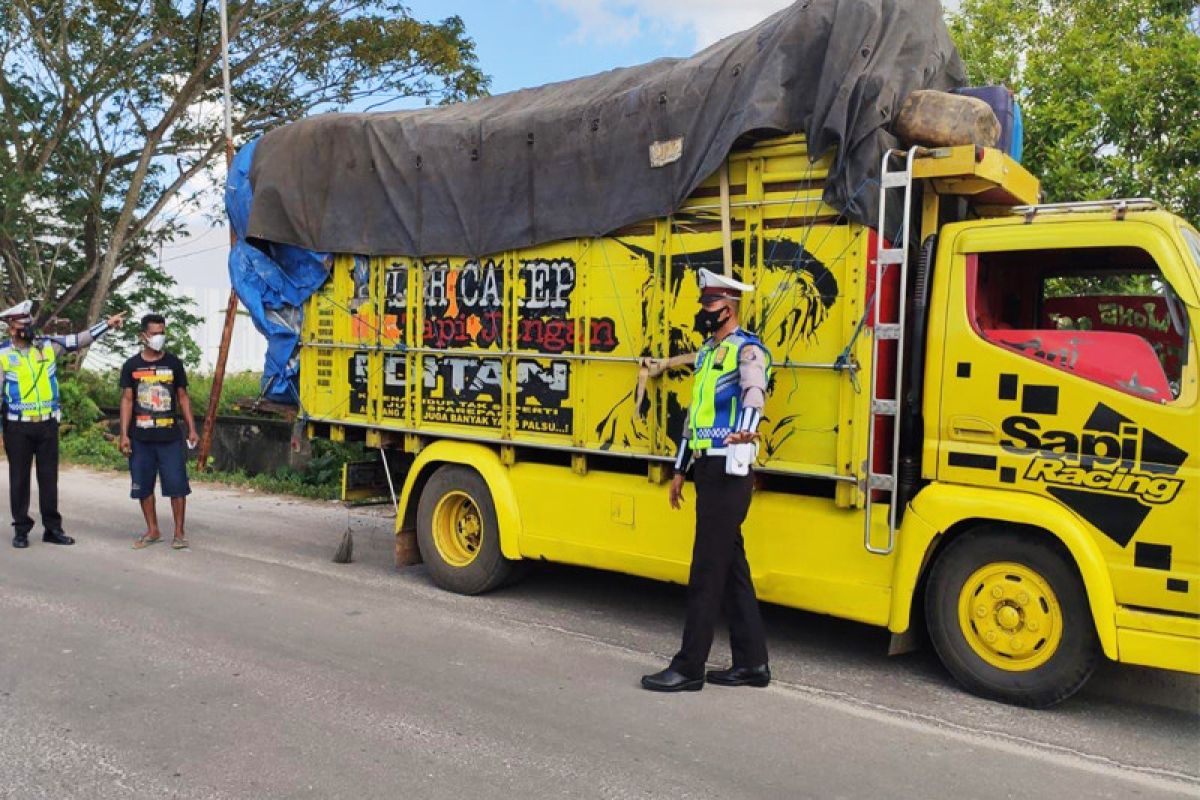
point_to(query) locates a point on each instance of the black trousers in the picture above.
(720, 575)
(25, 443)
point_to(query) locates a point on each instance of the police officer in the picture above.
(28, 369)
(728, 395)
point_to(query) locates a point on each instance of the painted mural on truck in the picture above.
(463, 311)
(800, 292)
(606, 299)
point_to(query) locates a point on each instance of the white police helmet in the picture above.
(713, 284)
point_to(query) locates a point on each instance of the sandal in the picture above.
(145, 541)
(179, 544)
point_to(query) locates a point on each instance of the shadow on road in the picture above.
(806, 647)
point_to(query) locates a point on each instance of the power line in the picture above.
(222, 246)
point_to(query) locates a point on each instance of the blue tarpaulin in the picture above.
(273, 281)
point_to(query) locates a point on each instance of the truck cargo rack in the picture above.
(885, 330)
(1118, 207)
(990, 180)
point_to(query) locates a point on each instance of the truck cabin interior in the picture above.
(1104, 314)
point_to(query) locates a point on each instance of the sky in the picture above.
(523, 43)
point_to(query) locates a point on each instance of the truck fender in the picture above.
(940, 507)
(483, 460)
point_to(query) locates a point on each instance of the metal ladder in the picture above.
(890, 181)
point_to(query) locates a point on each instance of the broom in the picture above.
(345, 550)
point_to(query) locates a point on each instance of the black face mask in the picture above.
(709, 322)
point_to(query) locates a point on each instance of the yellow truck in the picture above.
(995, 431)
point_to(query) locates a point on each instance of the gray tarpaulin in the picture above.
(573, 158)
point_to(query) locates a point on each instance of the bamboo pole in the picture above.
(726, 221)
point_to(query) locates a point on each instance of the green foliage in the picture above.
(237, 386)
(1110, 91)
(84, 439)
(284, 480)
(110, 136)
(1120, 285)
(325, 466)
(103, 387)
(321, 479)
(79, 410)
(91, 447)
(150, 293)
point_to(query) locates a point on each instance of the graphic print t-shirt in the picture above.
(155, 386)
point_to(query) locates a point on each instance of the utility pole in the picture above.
(210, 417)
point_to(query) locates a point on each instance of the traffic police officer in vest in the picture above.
(31, 413)
(720, 436)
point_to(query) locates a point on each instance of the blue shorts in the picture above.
(158, 459)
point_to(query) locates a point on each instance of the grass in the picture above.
(91, 448)
(237, 386)
(285, 480)
(103, 387)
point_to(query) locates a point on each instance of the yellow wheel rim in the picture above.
(1010, 616)
(457, 529)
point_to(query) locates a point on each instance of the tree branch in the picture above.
(167, 194)
(121, 227)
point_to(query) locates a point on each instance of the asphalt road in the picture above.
(253, 667)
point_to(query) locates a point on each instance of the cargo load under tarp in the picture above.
(588, 156)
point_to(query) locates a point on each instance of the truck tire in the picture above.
(1009, 617)
(458, 533)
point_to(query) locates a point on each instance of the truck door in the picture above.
(1069, 371)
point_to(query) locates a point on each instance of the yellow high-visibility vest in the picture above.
(30, 382)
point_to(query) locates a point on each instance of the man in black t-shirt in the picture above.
(153, 385)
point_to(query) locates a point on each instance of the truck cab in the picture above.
(1061, 399)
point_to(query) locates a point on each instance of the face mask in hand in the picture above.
(709, 322)
(156, 342)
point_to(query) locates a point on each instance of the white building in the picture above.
(247, 349)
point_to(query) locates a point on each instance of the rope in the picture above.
(612, 277)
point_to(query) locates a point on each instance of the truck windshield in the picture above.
(1106, 314)
(1193, 240)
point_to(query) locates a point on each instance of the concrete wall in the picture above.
(256, 445)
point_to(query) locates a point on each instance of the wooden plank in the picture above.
(726, 221)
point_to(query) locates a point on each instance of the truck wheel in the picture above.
(1009, 618)
(458, 533)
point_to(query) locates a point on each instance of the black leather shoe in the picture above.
(671, 681)
(56, 537)
(20, 540)
(741, 676)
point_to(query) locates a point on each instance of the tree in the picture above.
(111, 130)
(1110, 90)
